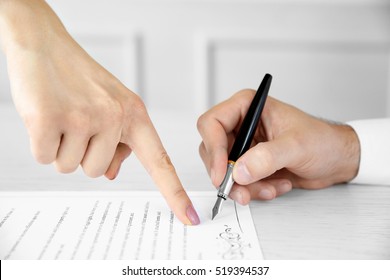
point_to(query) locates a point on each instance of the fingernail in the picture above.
(266, 194)
(242, 173)
(283, 187)
(192, 215)
(236, 196)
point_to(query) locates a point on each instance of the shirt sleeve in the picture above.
(374, 137)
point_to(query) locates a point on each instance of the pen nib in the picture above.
(217, 207)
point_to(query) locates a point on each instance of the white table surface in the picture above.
(340, 222)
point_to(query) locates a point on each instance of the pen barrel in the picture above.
(227, 183)
(249, 125)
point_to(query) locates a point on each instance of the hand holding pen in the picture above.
(289, 149)
(243, 140)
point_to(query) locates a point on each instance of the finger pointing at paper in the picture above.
(75, 111)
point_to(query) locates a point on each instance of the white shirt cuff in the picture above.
(374, 137)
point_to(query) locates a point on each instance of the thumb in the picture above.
(263, 160)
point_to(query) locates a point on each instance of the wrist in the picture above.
(347, 166)
(28, 25)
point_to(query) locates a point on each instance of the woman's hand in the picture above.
(75, 111)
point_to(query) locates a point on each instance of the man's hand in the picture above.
(290, 149)
(75, 111)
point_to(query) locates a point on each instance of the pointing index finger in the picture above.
(141, 136)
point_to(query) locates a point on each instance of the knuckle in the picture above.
(40, 150)
(248, 93)
(201, 150)
(30, 121)
(134, 111)
(205, 122)
(133, 103)
(164, 162)
(37, 121)
(41, 156)
(205, 157)
(180, 194)
(201, 123)
(137, 105)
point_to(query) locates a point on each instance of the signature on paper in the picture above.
(235, 245)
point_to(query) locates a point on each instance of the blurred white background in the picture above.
(330, 58)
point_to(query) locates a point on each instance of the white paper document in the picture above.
(120, 225)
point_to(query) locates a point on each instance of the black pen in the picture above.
(243, 140)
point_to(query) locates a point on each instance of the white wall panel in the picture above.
(337, 80)
(329, 60)
(5, 94)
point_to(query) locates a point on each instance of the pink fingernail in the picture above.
(192, 215)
